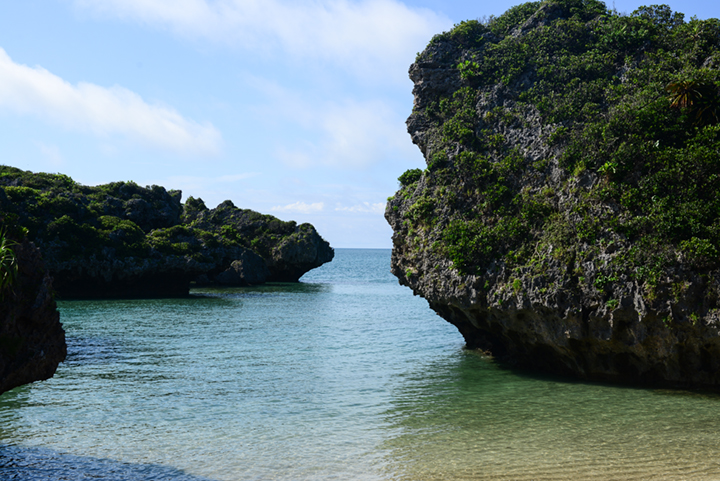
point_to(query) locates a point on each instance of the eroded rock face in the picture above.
(531, 260)
(32, 340)
(248, 269)
(287, 250)
(303, 250)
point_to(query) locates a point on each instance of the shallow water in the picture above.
(343, 376)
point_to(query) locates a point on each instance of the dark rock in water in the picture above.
(568, 217)
(123, 240)
(32, 340)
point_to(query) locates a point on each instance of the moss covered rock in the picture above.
(569, 217)
(32, 340)
(123, 240)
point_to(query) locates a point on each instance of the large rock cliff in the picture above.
(32, 340)
(568, 219)
(124, 240)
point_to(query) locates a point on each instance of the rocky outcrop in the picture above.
(565, 221)
(32, 340)
(301, 251)
(123, 240)
(287, 250)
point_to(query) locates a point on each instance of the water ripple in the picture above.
(346, 376)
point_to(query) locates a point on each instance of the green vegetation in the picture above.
(8, 264)
(632, 103)
(72, 222)
(410, 177)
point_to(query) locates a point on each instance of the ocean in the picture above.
(343, 376)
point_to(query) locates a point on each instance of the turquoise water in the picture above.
(344, 376)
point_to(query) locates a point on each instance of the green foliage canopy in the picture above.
(632, 99)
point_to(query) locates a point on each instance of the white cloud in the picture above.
(352, 135)
(103, 111)
(366, 36)
(299, 208)
(365, 207)
(52, 154)
(344, 133)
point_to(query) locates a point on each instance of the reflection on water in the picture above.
(271, 288)
(37, 464)
(467, 419)
(89, 350)
(344, 376)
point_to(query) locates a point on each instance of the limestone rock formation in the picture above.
(123, 240)
(301, 251)
(287, 249)
(32, 340)
(567, 220)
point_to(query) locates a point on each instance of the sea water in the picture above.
(343, 376)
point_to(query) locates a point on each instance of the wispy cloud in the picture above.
(365, 207)
(364, 36)
(345, 133)
(299, 208)
(351, 134)
(103, 111)
(52, 154)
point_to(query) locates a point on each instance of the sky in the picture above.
(288, 107)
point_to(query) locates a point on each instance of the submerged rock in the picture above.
(32, 340)
(568, 217)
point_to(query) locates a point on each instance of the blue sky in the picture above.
(292, 108)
